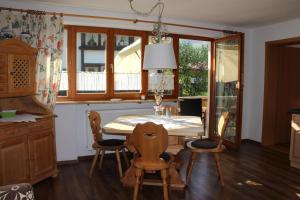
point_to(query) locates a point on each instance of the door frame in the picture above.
(240, 91)
(270, 89)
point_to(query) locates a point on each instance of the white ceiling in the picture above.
(241, 13)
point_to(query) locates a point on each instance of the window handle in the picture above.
(112, 68)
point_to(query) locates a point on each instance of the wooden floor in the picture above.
(251, 173)
(283, 147)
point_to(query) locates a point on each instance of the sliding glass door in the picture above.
(227, 89)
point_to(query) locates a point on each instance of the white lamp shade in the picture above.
(159, 56)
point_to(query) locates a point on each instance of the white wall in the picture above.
(254, 71)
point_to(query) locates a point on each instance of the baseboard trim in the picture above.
(90, 157)
(67, 162)
(82, 158)
(248, 141)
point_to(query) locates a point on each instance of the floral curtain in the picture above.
(44, 32)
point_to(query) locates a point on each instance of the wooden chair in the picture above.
(208, 146)
(150, 141)
(101, 145)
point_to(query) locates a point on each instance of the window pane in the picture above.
(91, 63)
(161, 78)
(193, 67)
(127, 64)
(63, 87)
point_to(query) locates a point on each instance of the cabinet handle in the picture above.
(12, 73)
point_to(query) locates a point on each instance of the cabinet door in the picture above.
(3, 74)
(21, 74)
(41, 155)
(14, 166)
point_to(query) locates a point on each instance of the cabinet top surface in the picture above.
(2, 124)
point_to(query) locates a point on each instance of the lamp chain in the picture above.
(159, 29)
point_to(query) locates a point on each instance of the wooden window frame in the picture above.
(126, 95)
(72, 94)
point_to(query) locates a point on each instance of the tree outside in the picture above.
(193, 69)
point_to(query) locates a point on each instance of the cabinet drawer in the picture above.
(42, 124)
(12, 131)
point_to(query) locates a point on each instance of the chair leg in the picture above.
(94, 162)
(119, 163)
(218, 164)
(125, 157)
(190, 166)
(164, 177)
(138, 173)
(101, 159)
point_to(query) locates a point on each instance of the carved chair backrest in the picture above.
(95, 120)
(150, 141)
(222, 124)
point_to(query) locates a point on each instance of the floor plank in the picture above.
(252, 172)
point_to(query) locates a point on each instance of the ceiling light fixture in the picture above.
(158, 56)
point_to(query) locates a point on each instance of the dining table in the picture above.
(177, 126)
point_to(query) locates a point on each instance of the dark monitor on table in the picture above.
(190, 106)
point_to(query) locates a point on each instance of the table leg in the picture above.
(175, 179)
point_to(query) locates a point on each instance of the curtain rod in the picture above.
(150, 22)
(35, 12)
(118, 19)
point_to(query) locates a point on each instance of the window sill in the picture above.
(62, 102)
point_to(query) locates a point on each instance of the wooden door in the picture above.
(41, 154)
(288, 93)
(227, 87)
(21, 73)
(14, 166)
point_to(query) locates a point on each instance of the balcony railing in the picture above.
(96, 81)
(127, 81)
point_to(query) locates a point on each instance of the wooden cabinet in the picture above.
(17, 68)
(27, 149)
(295, 141)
